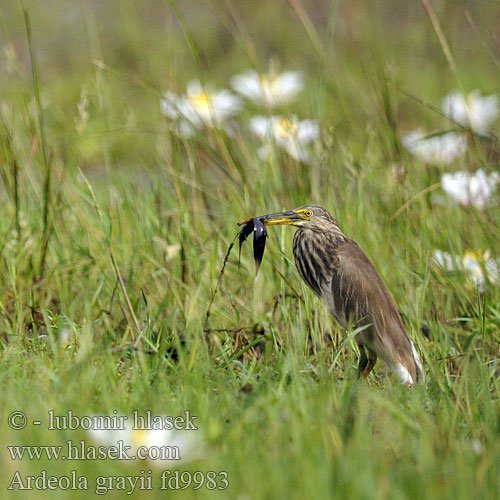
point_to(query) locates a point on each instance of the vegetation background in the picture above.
(96, 186)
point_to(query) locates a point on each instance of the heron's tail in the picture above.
(409, 369)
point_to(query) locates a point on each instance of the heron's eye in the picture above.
(309, 213)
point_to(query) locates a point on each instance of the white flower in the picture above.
(477, 266)
(270, 90)
(200, 107)
(289, 133)
(440, 149)
(444, 259)
(471, 110)
(469, 190)
(175, 108)
(169, 105)
(211, 107)
(162, 447)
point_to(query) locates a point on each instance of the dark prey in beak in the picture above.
(259, 238)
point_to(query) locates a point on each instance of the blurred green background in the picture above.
(102, 189)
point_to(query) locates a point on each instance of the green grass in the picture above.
(116, 194)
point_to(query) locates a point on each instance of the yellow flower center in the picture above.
(285, 128)
(269, 84)
(202, 101)
(477, 256)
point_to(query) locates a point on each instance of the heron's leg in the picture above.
(363, 360)
(372, 359)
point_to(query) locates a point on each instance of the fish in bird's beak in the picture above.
(257, 226)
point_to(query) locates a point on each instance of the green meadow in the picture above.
(118, 291)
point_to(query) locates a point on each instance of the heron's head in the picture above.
(306, 217)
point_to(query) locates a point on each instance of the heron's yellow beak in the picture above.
(291, 218)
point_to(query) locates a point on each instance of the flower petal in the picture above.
(471, 110)
(290, 84)
(470, 189)
(440, 149)
(247, 84)
(261, 125)
(308, 131)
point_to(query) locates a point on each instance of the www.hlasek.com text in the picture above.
(80, 450)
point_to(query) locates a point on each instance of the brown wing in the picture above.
(358, 289)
